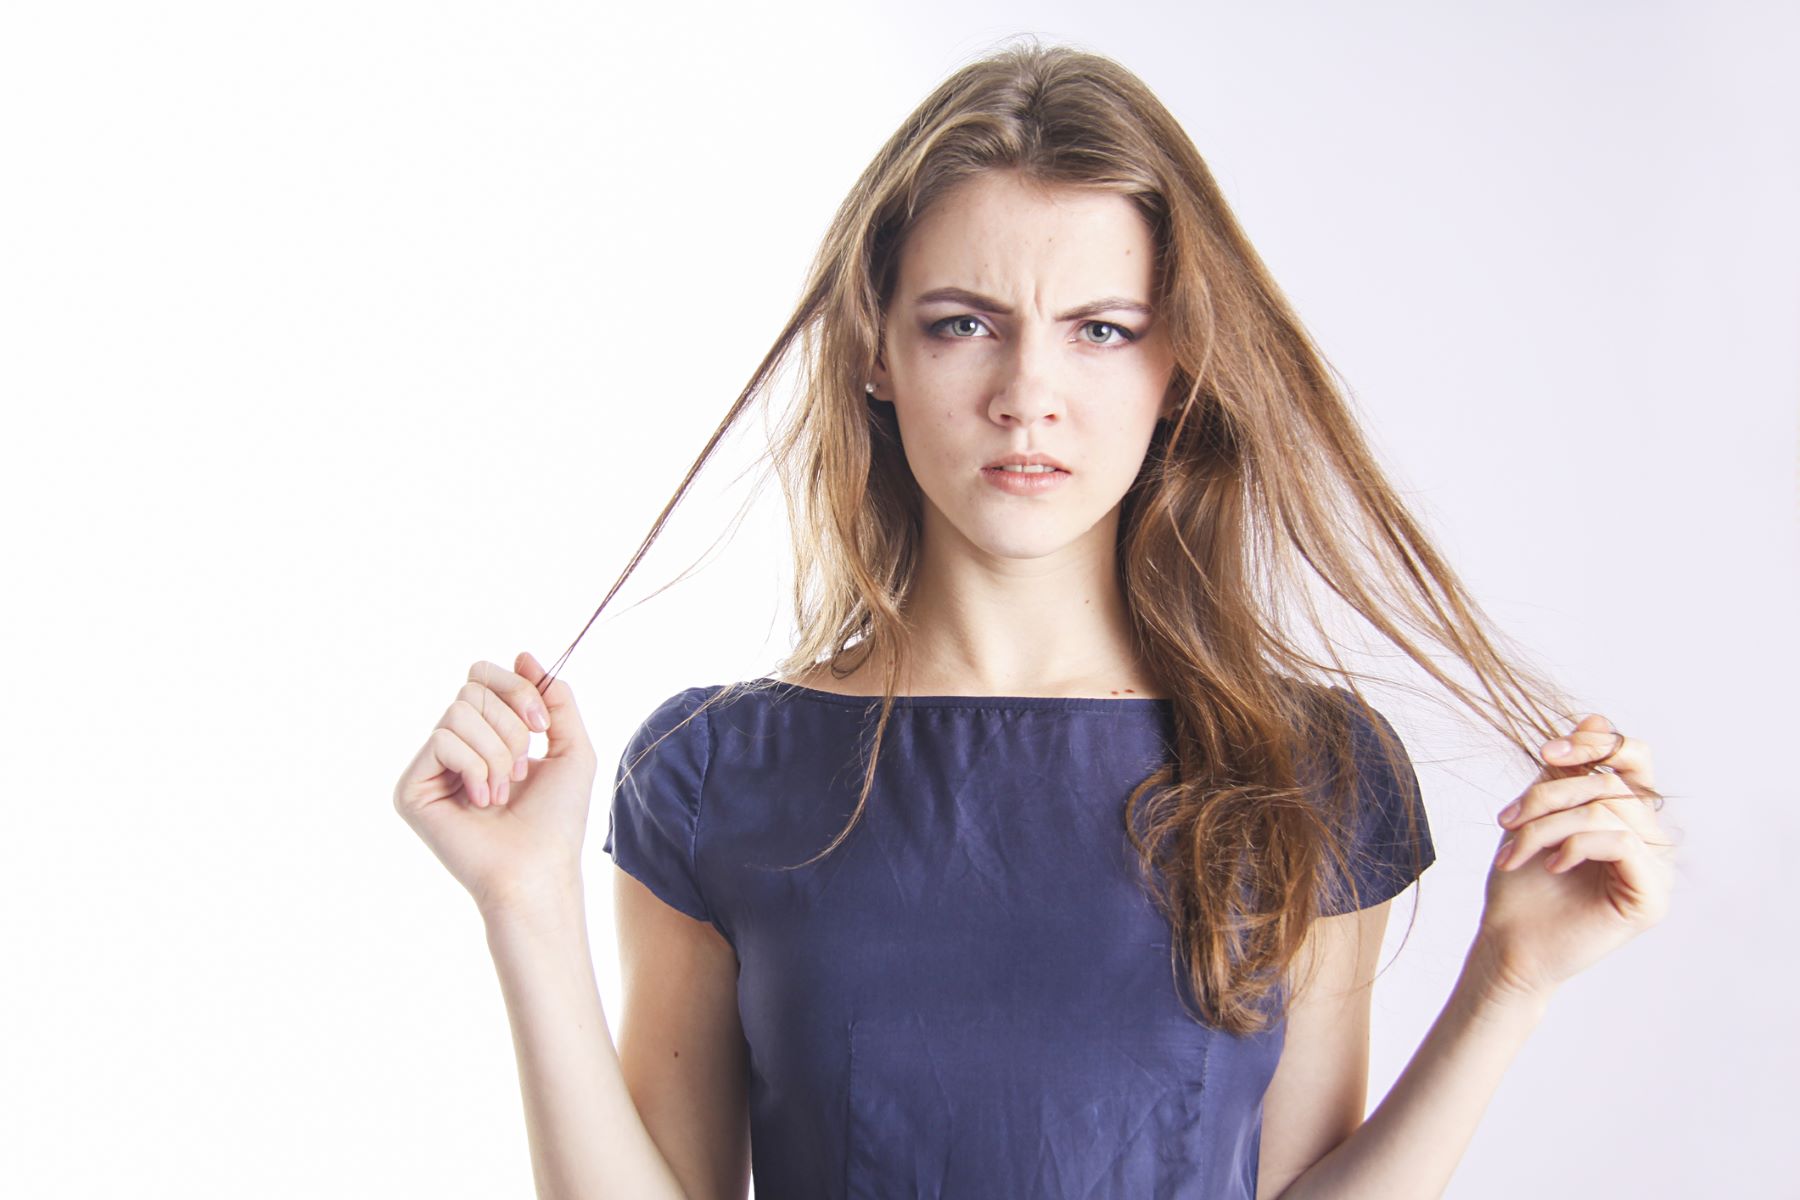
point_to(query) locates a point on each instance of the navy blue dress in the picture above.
(972, 996)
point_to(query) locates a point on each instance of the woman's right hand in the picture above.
(504, 837)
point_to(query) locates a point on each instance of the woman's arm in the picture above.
(1410, 1145)
(587, 1138)
(1605, 876)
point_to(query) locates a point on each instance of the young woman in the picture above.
(1119, 855)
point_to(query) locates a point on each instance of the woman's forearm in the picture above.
(587, 1138)
(1410, 1145)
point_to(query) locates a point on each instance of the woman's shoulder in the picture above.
(820, 678)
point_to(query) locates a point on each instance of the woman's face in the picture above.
(1019, 326)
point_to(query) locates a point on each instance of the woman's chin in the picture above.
(1026, 537)
(1001, 527)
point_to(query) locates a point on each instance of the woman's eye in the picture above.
(938, 328)
(1125, 335)
(948, 321)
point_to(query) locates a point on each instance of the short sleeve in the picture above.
(1391, 845)
(653, 827)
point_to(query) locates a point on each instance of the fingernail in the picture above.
(1505, 849)
(1559, 746)
(519, 769)
(540, 720)
(1509, 812)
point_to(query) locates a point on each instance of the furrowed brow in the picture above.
(976, 300)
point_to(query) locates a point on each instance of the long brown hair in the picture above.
(1261, 469)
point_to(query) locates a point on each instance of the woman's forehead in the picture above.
(996, 234)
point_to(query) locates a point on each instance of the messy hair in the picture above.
(1260, 475)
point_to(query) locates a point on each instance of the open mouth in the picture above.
(1025, 481)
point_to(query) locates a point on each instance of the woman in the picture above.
(1104, 919)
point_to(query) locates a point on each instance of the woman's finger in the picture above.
(1552, 829)
(516, 691)
(1594, 739)
(1554, 795)
(567, 735)
(457, 756)
(506, 722)
(1632, 861)
(466, 721)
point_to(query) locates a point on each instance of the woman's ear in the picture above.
(878, 376)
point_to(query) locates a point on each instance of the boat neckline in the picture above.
(1097, 703)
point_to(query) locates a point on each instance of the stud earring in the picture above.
(869, 388)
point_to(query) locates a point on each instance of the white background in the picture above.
(346, 344)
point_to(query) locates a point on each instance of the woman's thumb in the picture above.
(566, 733)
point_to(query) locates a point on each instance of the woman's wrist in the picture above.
(541, 896)
(1490, 988)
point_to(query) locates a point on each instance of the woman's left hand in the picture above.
(1586, 866)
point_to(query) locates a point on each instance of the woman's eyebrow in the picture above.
(958, 295)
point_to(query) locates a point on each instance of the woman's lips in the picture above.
(1025, 483)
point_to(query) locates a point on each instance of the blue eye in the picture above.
(936, 329)
(1124, 333)
(938, 325)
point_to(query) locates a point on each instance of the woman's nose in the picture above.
(1025, 405)
(1026, 391)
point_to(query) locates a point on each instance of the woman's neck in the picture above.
(1049, 634)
